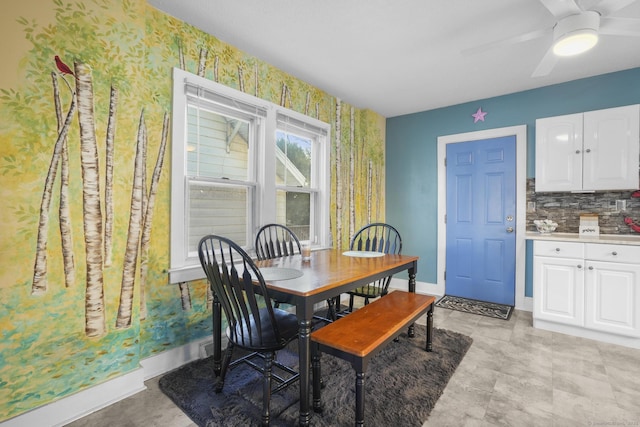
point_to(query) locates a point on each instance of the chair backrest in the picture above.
(275, 241)
(377, 237)
(239, 286)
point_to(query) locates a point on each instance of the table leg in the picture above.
(316, 369)
(304, 348)
(412, 288)
(217, 335)
(430, 327)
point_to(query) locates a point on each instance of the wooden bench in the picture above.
(362, 334)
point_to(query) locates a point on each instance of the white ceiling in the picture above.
(398, 57)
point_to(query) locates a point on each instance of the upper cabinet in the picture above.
(592, 151)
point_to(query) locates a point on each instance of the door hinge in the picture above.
(445, 218)
(445, 275)
(445, 161)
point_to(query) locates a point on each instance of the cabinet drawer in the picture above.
(612, 253)
(558, 249)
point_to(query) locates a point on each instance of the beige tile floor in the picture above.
(513, 375)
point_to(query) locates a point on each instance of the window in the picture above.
(239, 162)
(298, 182)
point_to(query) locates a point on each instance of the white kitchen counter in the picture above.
(618, 239)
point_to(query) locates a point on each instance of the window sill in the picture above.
(186, 274)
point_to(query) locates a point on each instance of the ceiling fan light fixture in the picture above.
(576, 34)
(576, 42)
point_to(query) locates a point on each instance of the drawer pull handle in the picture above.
(557, 249)
(590, 267)
(579, 266)
(614, 253)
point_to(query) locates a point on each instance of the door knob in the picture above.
(509, 229)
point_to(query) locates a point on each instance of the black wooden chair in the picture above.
(253, 324)
(376, 237)
(276, 241)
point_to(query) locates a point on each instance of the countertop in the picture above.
(617, 239)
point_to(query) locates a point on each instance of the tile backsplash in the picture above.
(565, 209)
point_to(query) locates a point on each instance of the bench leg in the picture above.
(360, 378)
(430, 328)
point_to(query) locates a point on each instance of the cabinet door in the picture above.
(559, 153)
(611, 148)
(612, 297)
(558, 290)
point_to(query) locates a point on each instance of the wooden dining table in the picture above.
(326, 275)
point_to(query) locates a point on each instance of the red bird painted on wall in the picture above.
(64, 68)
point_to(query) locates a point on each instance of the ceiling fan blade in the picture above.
(620, 27)
(547, 63)
(607, 7)
(507, 42)
(561, 8)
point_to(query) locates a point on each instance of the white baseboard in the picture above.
(172, 359)
(527, 304)
(579, 331)
(437, 291)
(85, 402)
(421, 287)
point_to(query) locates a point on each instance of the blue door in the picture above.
(481, 213)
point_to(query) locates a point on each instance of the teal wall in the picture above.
(411, 150)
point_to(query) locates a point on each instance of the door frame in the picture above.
(520, 132)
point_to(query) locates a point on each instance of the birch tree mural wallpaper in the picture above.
(85, 107)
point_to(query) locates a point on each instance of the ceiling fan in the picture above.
(576, 30)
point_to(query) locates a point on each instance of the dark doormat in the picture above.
(489, 309)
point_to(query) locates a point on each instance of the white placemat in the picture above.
(271, 274)
(363, 254)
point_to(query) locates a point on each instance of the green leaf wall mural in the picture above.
(84, 292)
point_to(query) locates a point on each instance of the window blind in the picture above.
(289, 123)
(201, 93)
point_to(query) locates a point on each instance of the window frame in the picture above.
(185, 268)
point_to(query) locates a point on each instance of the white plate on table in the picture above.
(363, 254)
(271, 274)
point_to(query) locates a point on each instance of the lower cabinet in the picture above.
(559, 290)
(612, 297)
(588, 285)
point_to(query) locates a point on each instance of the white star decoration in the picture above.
(479, 115)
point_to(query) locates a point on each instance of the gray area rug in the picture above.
(489, 309)
(403, 384)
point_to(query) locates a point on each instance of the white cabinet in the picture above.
(612, 279)
(596, 150)
(588, 285)
(558, 153)
(558, 286)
